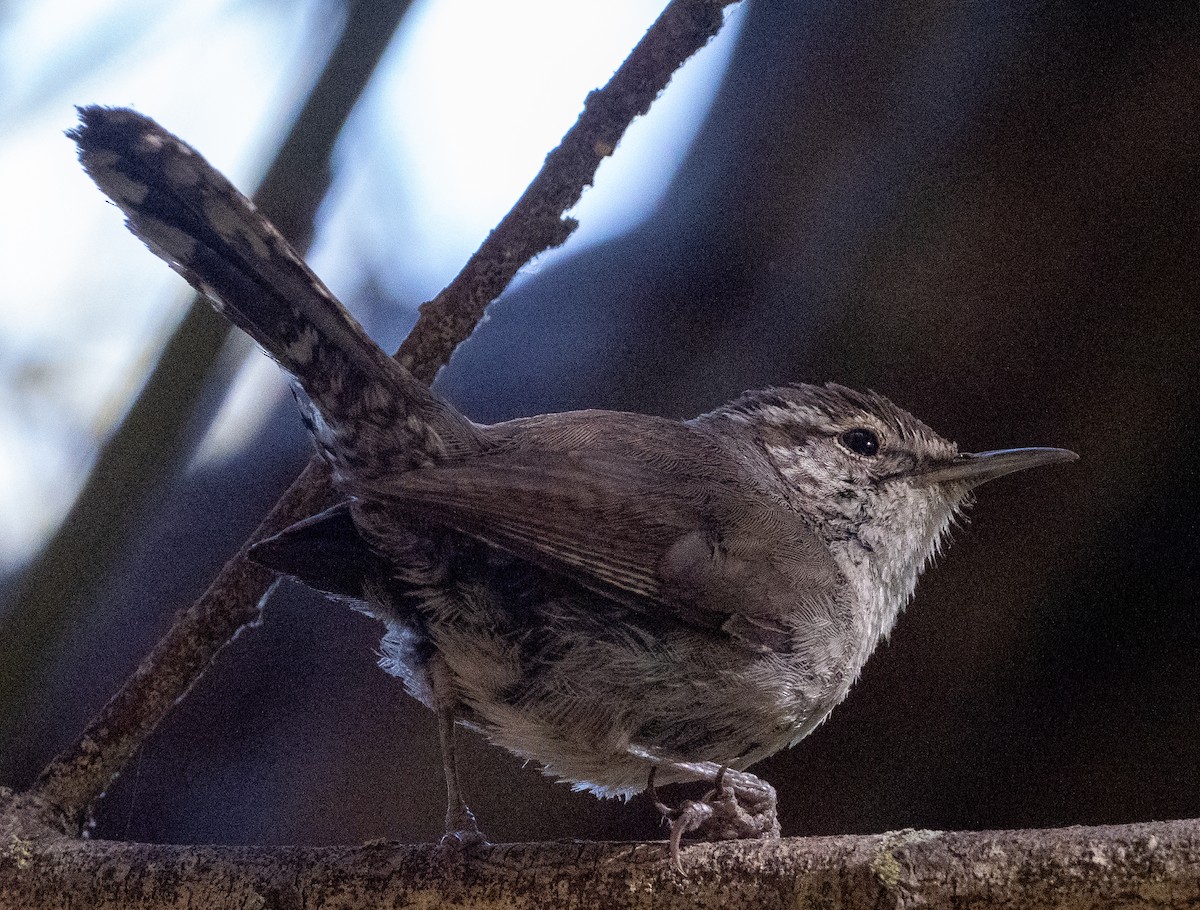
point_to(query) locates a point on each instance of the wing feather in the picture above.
(649, 512)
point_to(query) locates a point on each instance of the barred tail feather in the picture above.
(374, 416)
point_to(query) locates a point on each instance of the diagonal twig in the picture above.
(74, 780)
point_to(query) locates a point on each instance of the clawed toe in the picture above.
(460, 840)
(462, 831)
(743, 807)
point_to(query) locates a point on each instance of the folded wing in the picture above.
(645, 511)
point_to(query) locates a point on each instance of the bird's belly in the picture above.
(596, 702)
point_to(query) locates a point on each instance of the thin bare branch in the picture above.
(536, 222)
(74, 780)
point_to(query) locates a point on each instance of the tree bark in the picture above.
(1142, 865)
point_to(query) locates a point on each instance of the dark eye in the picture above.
(861, 441)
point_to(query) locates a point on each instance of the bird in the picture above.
(622, 599)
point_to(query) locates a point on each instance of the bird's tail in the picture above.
(372, 416)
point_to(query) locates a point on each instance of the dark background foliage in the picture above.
(986, 212)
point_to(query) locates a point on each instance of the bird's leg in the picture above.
(740, 805)
(461, 828)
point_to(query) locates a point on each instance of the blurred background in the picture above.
(986, 212)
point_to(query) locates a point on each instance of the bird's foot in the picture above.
(738, 806)
(462, 831)
(461, 840)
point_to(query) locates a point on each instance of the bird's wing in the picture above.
(633, 512)
(325, 551)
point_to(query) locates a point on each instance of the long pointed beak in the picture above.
(974, 469)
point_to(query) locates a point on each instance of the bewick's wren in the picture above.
(602, 593)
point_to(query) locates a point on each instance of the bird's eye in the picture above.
(861, 441)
